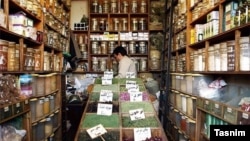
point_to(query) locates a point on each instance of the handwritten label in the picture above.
(96, 131)
(104, 109)
(142, 134)
(136, 114)
(130, 75)
(130, 84)
(106, 96)
(106, 81)
(108, 74)
(135, 96)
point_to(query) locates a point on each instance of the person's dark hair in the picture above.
(121, 50)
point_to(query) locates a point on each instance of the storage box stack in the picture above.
(229, 15)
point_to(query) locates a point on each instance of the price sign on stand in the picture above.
(106, 96)
(141, 134)
(135, 95)
(106, 81)
(108, 74)
(130, 75)
(130, 84)
(96, 131)
(136, 114)
(104, 109)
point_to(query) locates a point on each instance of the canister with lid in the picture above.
(94, 8)
(142, 24)
(124, 6)
(104, 47)
(105, 6)
(142, 47)
(132, 47)
(111, 46)
(116, 24)
(143, 64)
(102, 24)
(124, 24)
(94, 24)
(3, 55)
(11, 56)
(113, 6)
(143, 7)
(95, 66)
(134, 6)
(94, 47)
(134, 24)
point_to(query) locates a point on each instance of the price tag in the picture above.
(142, 134)
(130, 84)
(96, 131)
(136, 114)
(106, 96)
(108, 74)
(130, 75)
(135, 96)
(104, 109)
(106, 81)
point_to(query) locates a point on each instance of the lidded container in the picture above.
(94, 47)
(46, 108)
(143, 64)
(134, 24)
(49, 125)
(124, 24)
(33, 103)
(11, 56)
(104, 47)
(39, 107)
(244, 53)
(94, 8)
(105, 6)
(41, 130)
(124, 6)
(3, 55)
(116, 24)
(132, 47)
(102, 24)
(94, 24)
(143, 6)
(134, 6)
(113, 6)
(142, 47)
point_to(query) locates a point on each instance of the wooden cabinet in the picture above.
(34, 35)
(113, 23)
(215, 39)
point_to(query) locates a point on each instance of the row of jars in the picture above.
(116, 24)
(102, 64)
(10, 58)
(45, 127)
(42, 106)
(132, 47)
(32, 6)
(114, 6)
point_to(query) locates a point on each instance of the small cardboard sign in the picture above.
(130, 84)
(141, 134)
(135, 96)
(104, 109)
(96, 131)
(136, 114)
(106, 96)
(108, 74)
(130, 75)
(106, 81)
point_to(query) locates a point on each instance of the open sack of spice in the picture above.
(245, 104)
(212, 90)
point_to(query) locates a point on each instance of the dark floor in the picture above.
(71, 133)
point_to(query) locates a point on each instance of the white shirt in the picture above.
(126, 65)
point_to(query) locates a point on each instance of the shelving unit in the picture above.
(214, 50)
(33, 37)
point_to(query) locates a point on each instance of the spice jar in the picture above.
(112, 45)
(105, 6)
(113, 6)
(104, 47)
(94, 8)
(132, 47)
(124, 7)
(51, 103)
(11, 56)
(143, 64)
(134, 24)
(3, 55)
(39, 107)
(244, 54)
(142, 24)
(41, 130)
(142, 47)
(211, 58)
(94, 24)
(124, 24)
(94, 47)
(134, 6)
(102, 24)
(48, 126)
(115, 24)
(143, 7)
(33, 103)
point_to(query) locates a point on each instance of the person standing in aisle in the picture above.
(126, 64)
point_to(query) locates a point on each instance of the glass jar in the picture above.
(105, 6)
(142, 47)
(94, 24)
(95, 66)
(132, 47)
(143, 7)
(142, 24)
(217, 57)
(94, 47)
(102, 24)
(111, 47)
(104, 47)
(124, 7)
(113, 6)
(143, 64)
(134, 6)
(244, 54)
(134, 24)
(211, 58)
(223, 54)
(103, 64)
(46, 108)
(39, 108)
(124, 23)
(94, 8)
(115, 24)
